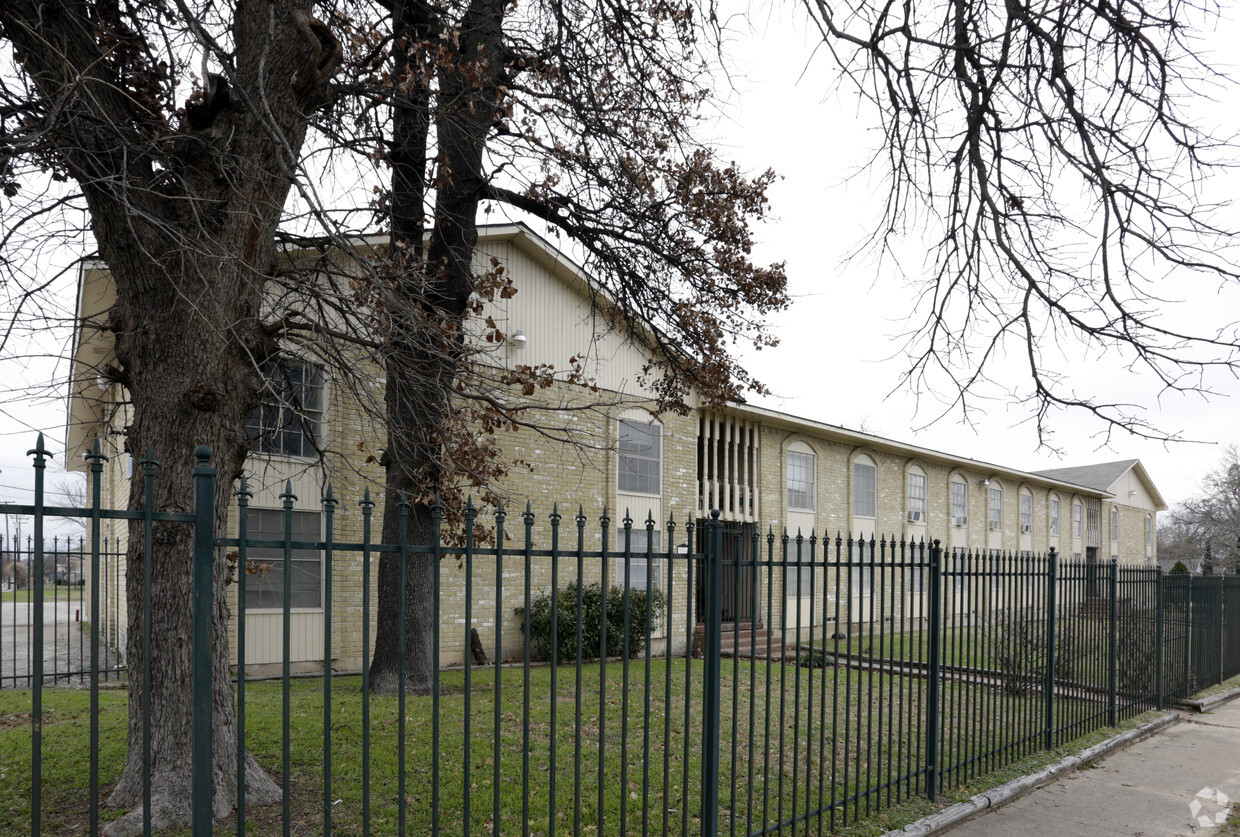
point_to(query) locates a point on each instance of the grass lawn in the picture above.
(50, 593)
(792, 739)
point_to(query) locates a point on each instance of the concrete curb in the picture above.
(1002, 795)
(1208, 703)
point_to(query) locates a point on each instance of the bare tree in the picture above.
(1210, 521)
(585, 117)
(183, 189)
(1055, 153)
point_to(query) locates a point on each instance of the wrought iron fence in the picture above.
(851, 675)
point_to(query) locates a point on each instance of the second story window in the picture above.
(1055, 517)
(865, 489)
(1026, 512)
(960, 502)
(641, 449)
(917, 497)
(996, 509)
(1078, 521)
(288, 419)
(1114, 523)
(801, 467)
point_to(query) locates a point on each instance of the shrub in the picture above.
(590, 617)
(1179, 569)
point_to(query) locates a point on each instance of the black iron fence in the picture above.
(852, 675)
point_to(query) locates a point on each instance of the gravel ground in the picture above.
(66, 646)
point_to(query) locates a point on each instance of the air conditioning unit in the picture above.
(914, 517)
(1026, 529)
(962, 520)
(995, 527)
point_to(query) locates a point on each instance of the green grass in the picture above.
(1225, 686)
(50, 593)
(810, 737)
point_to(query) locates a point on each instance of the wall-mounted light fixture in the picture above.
(519, 337)
(985, 481)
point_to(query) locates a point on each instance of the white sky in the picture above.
(840, 359)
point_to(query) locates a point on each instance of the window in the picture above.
(1055, 517)
(863, 572)
(916, 580)
(266, 589)
(1026, 512)
(1149, 533)
(996, 509)
(917, 497)
(642, 565)
(798, 578)
(1078, 521)
(865, 489)
(960, 501)
(640, 448)
(290, 414)
(1114, 523)
(801, 467)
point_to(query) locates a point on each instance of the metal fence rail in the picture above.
(853, 674)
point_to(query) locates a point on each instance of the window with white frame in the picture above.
(800, 479)
(1026, 512)
(960, 501)
(640, 447)
(996, 509)
(1078, 520)
(865, 489)
(1149, 533)
(916, 497)
(264, 584)
(862, 554)
(798, 569)
(1054, 517)
(1114, 523)
(289, 416)
(643, 569)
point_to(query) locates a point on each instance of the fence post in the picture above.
(35, 582)
(1052, 610)
(204, 557)
(935, 661)
(1113, 647)
(1218, 616)
(1160, 637)
(712, 673)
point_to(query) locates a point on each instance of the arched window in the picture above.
(960, 502)
(1054, 516)
(865, 487)
(1026, 511)
(640, 446)
(800, 477)
(995, 518)
(916, 502)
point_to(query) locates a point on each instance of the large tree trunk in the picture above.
(429, 306)
(192, 384)
(184, 206)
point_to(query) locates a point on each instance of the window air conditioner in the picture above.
(914, 517)
(995, 527)
(962, 520)
(1026, 529)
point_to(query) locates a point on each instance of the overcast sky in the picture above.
(840, 359)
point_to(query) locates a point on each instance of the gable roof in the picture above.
(1103, 475)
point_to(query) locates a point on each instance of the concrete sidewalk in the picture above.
(1168, 784)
